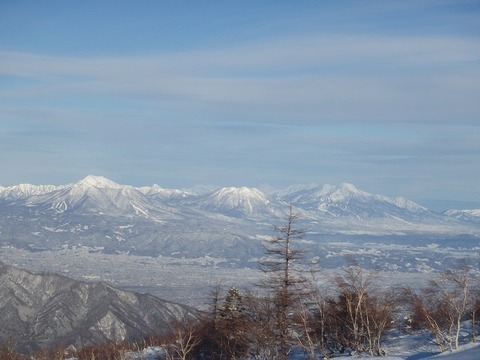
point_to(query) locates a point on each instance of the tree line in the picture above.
(290, 311)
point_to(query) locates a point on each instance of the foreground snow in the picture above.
(426, 351)
(465, 352)
(397, 346)
(151, 353)
(417, 347)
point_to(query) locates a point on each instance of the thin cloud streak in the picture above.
(278, 54)
(310, 77)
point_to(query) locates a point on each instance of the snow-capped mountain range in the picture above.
(97, 194)
(226, 222)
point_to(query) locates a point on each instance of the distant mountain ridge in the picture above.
(308, 197)
(23, 191)
(150, 220)
(40, 310)
(345, 199)
(468, 215)
(98, 194)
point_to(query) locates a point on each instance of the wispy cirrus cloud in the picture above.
(381, 78)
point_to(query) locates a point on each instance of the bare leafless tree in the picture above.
(305, 334)
(354, 287)
(474, 309)
(363, 310)
(443, 303)
(6, 353)
(283, 277)
(261, 321)
(185, 337)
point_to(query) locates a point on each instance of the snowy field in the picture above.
(407, 348)
(465, 352)
(420, 347)
(397, 347)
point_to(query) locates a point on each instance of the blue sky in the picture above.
(381, 94)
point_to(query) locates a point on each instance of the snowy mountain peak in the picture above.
(97, 194)
(348, 188)
(239, 195)
(97, 182)
(241, 200)
(345, 191)
(151, 190)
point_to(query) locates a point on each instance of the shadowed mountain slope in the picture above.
(38, 310)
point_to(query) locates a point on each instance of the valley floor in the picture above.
(189, 281)
(186, 281)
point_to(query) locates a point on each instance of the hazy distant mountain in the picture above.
(467, 215)
(23, 191)
(226, 223)
(346, 200)
(156, 192)
(43, 310)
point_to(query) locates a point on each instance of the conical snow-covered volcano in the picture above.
(239, 201)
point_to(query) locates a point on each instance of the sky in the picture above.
(381, 94)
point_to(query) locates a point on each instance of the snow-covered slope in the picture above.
(239, 201)
(345, 200)
(96, 194)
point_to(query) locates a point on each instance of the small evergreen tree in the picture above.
(232, 306)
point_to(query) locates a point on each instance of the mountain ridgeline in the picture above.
(224, 223)
(44, 310)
